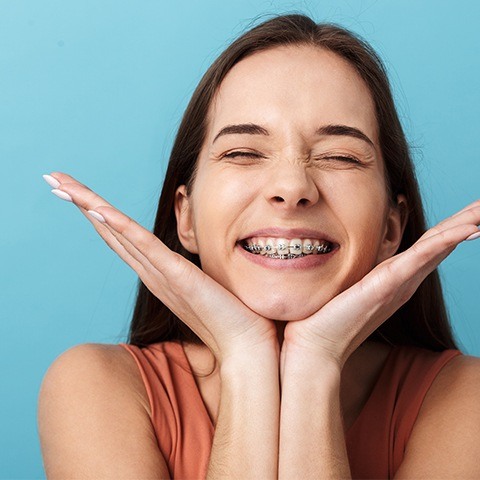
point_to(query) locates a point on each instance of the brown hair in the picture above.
(423, 320)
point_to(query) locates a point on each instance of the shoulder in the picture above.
(456, 389)
(93, 417)
(445, 440)
(100, 367)
(457, 384)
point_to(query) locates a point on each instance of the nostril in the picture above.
(303, 201)
(278, 199)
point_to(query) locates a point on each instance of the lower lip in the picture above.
(308, 261)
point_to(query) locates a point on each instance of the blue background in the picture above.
(97, 89)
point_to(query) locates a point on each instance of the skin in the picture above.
(294, 182)
(304, 329)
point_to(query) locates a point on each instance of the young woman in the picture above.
(289, 321)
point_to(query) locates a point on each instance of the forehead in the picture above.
(293, 86)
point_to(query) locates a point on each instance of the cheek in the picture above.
(221, 196)
(360, 206)
(360, 209)
(221, 199)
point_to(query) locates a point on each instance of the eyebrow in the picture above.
(335, 130)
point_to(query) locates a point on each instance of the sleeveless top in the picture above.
(375, 442)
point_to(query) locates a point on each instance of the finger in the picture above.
(427, 253)
(87, 202)
(86, 199)
(138, 237)
(82, 196)
(64, 178)
(132, 235)
(109, 236)
(138, 242)
(142, 245)
(468, 215)
(166, 274)
(129, 248)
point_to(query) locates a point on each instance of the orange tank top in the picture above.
(375, 442)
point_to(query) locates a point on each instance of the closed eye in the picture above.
(242, 154)
(342, 158)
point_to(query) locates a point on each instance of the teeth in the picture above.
(322, 248)
(283, 248)
(307, 247)
(295, 247)
(261, 245)
(270, 247)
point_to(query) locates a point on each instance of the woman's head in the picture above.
(267, 77)
(309, 170)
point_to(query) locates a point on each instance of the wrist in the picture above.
(308, 364)
(252, 362)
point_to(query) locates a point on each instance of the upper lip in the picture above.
(279, 232)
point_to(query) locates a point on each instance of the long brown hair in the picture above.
(423, 320)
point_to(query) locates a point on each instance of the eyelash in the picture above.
(241, 154)
(344, 158)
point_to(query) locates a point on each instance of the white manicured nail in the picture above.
(97, 216)
(61, 194)
(473, 236)
(53, 182)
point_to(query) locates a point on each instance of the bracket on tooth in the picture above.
(257, 249)
(323, 248)
(297, 247)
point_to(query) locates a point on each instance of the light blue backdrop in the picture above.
(97, 88)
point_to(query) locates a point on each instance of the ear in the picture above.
(184, 214)
(394, 228)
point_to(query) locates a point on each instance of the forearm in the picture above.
(245, 444)
(312, 439)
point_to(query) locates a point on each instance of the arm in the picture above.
(93, 418)
(245, 444)
(312, 440)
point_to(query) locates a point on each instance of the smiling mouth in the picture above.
(283, 249)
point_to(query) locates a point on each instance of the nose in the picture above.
(291, 186)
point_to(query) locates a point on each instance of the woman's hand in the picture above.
(220, 319)
(334, 332)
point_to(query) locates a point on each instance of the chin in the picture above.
(284, 309)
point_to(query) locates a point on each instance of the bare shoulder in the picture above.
(94, 417)
(107, 365)
(445, 440)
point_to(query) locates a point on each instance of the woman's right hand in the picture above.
(226, 325)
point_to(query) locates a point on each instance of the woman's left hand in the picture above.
(335, 331)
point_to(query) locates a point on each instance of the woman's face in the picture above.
(305, 170)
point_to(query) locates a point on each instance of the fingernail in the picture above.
(97, 216)
(61, 194)
(473, 236)
(53, 182)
